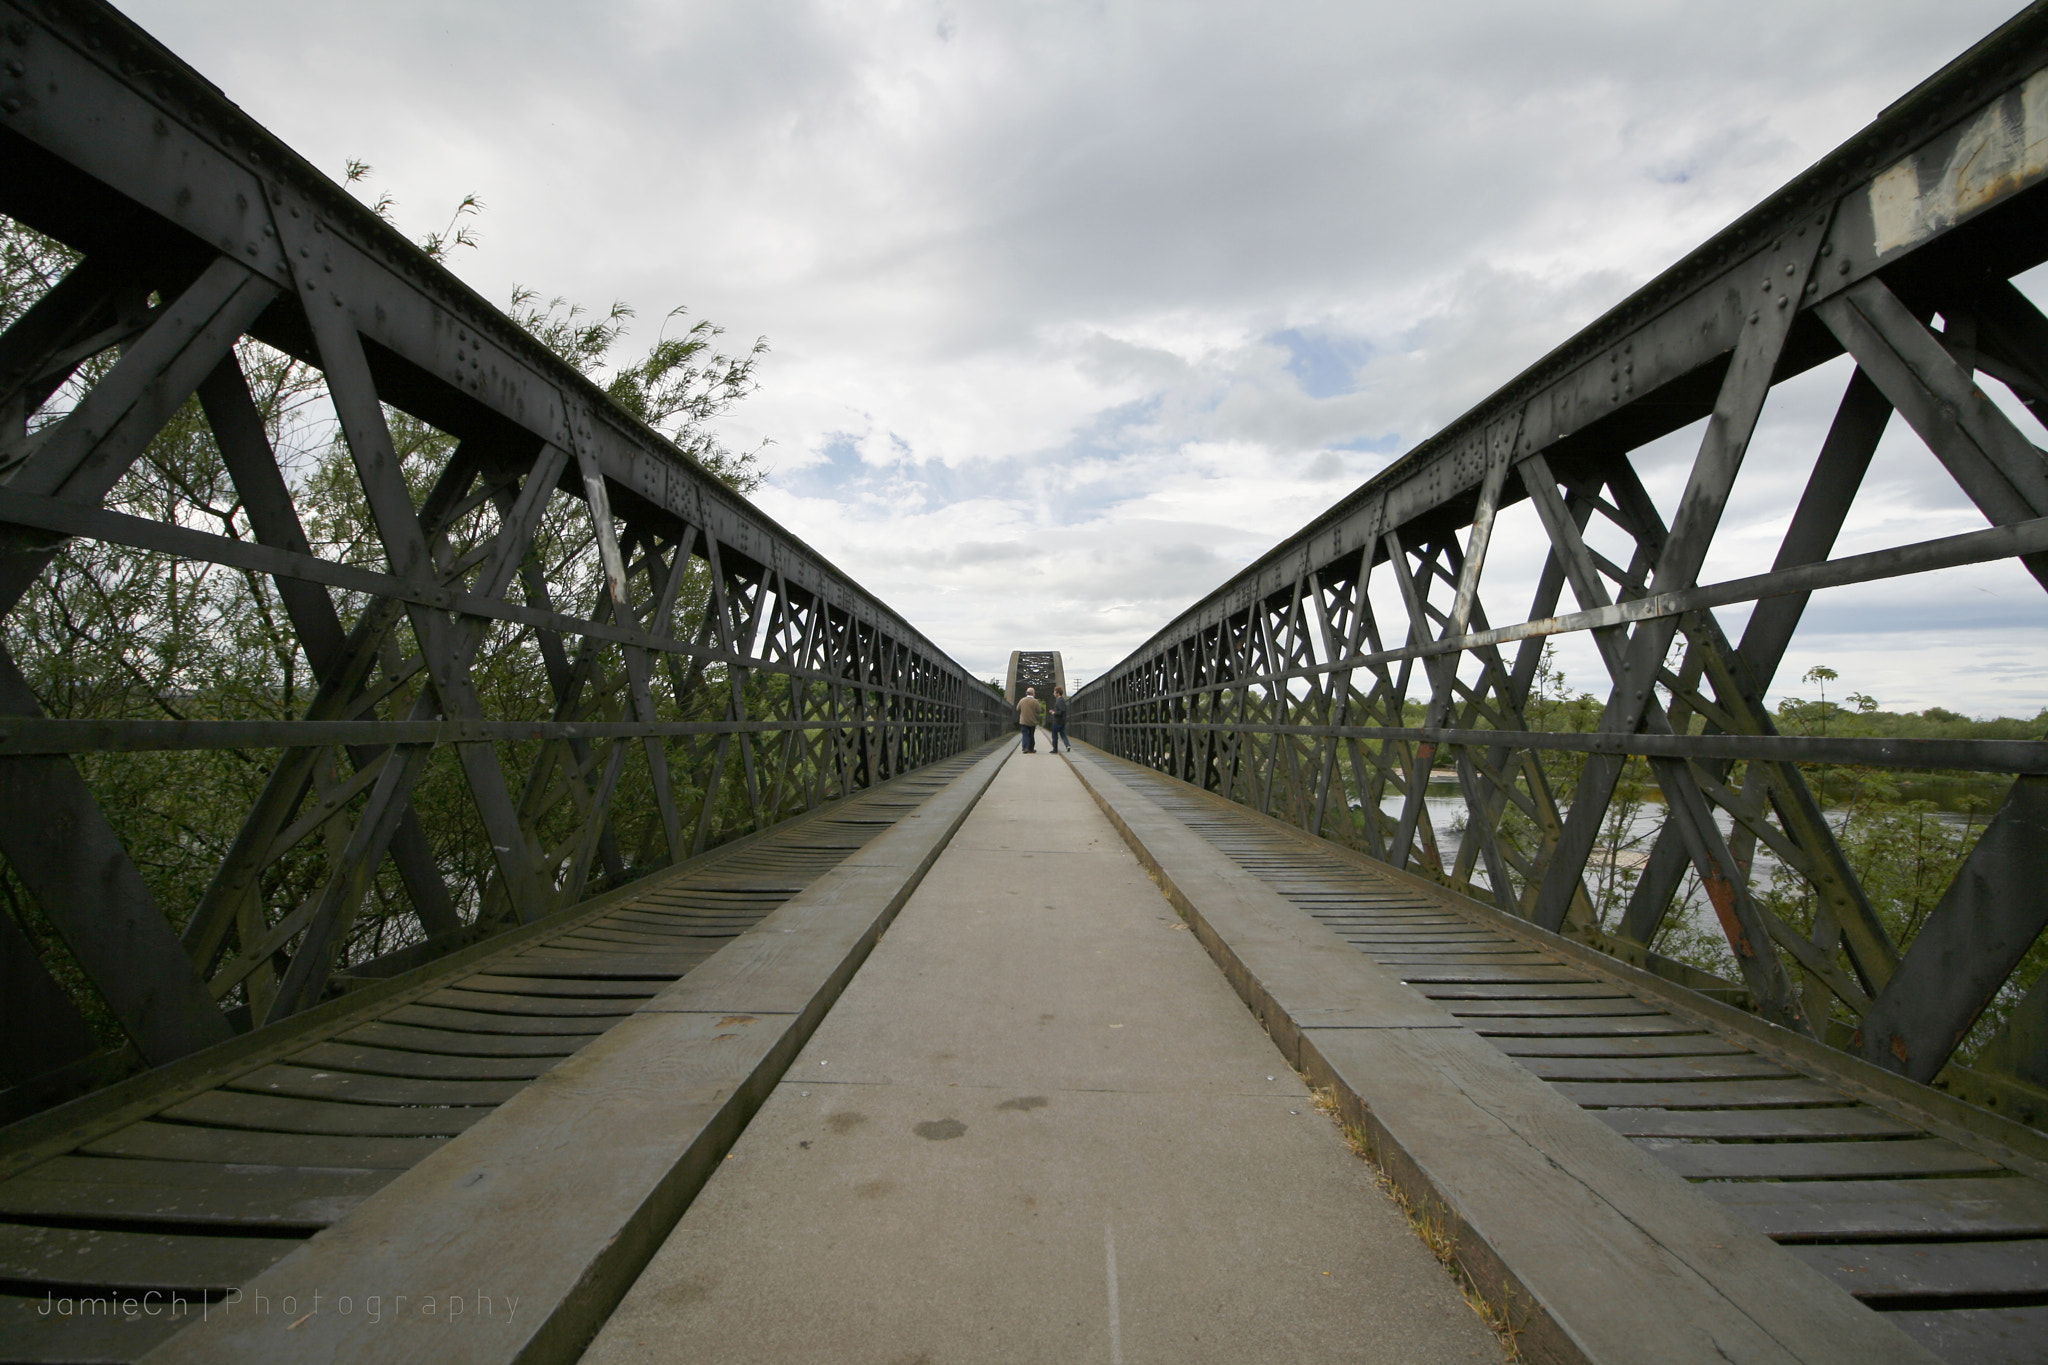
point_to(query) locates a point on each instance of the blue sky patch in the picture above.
(1325, 366)
(1388, 444)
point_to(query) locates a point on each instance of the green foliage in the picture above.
(437, 245)
(30, 264)
(676, 388)
(1905, 835)
(1625, 833)
(1904, 848)
(1958, 792)
(113, 633)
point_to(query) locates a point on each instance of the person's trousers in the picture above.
(1030, 733)
(1058, 731)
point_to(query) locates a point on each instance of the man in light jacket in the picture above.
(1027, 719)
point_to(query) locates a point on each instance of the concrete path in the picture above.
(1038, 1126)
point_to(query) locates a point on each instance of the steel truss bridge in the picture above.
(723, 733)
(1285, 689)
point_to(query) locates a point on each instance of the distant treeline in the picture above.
(1552, 708)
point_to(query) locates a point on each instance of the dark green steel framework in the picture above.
(1284, 691)
(198, 229)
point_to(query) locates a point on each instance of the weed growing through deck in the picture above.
(1430, 1222)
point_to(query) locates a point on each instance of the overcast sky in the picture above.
(1075, 308)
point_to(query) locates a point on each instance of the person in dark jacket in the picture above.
(1027, 718)
(1056, 720)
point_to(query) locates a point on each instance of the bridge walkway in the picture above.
(1924, 1208)
(1040, 1126)
(181, 1185)
(1625, 1169)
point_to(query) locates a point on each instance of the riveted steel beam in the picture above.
(716, 633)
(1927, 214)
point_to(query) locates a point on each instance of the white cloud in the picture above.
(1076, 307)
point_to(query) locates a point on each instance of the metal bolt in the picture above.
(15, 68)
(1844, 266)
(1782, 300)
(10, 105)
(1754, 318)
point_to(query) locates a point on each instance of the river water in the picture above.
(1447, 814)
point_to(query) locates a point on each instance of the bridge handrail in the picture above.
(750, 676)
(1452, 462)
(1283, 690)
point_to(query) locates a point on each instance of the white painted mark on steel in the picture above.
(1116, 1327)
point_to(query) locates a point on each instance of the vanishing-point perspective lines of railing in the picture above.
(1289, 690)
(611, 659)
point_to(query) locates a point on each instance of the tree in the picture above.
(1618, 856)
(677, 387)
(113, 633)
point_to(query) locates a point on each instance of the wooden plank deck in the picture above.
(1723, 1103)
(198, 1182)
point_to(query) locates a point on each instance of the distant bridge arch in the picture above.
(1040, 669)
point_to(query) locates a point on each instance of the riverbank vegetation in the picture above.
(1905, 834)
(108, 632)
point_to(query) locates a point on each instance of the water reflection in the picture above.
(1448, 815)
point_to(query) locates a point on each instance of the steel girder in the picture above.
(746, 677)
(1042, 669)
(1284, 690)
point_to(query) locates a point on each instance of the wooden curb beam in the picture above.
(513, 1243)
(1602, 1255)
